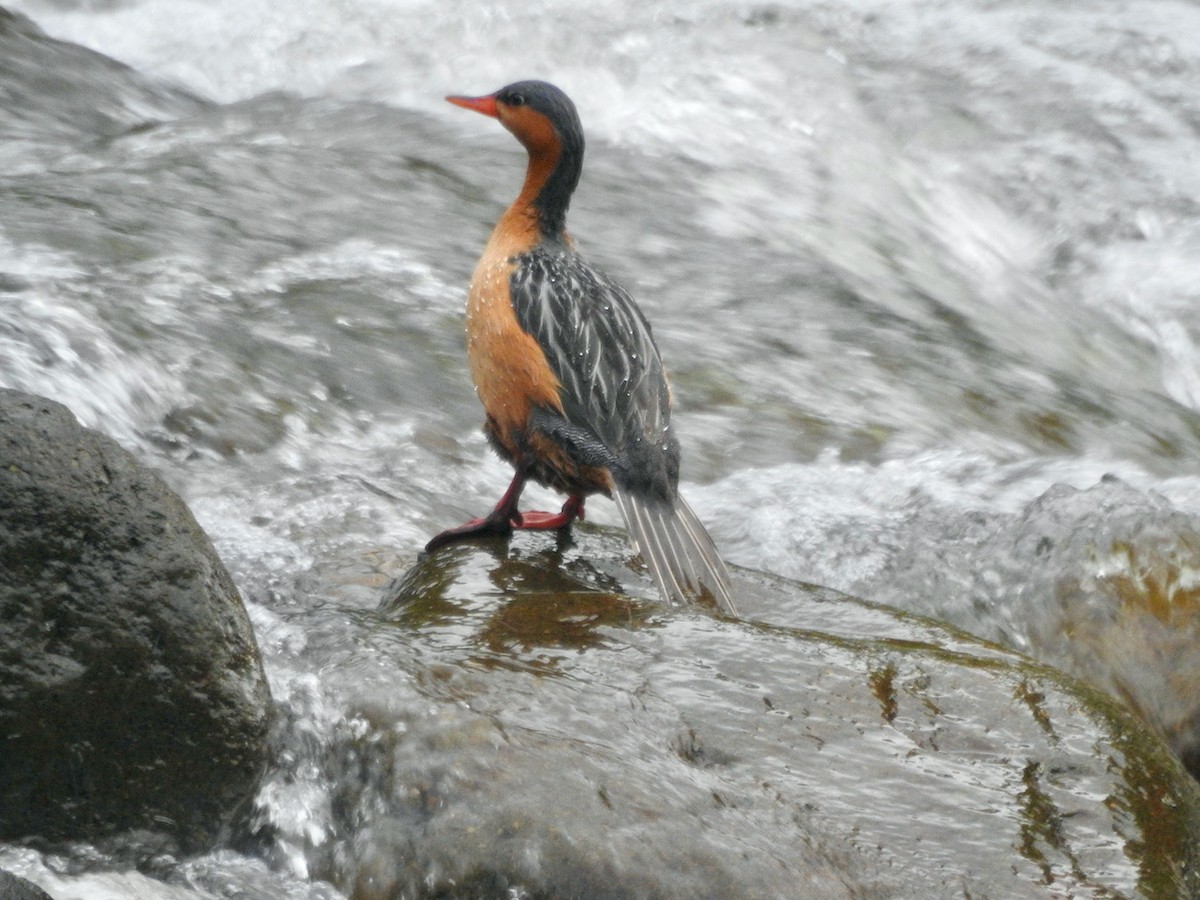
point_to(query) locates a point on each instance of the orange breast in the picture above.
(508, 367)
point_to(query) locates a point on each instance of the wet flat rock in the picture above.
(131, 691)
(525, 726)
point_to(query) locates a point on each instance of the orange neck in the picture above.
(555, 162)
(524, 222)
(526, 207)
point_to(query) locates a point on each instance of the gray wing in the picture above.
(599, 345)
(617, 413)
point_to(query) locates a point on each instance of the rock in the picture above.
(517, 720)
(13, 887)
(1099, 582)
(1107, 592)
(132, 696)
(58, 89)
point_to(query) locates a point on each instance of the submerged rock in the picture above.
(132, 695)
(1110, 594)
(56, 89)
(1102, 583)
(517, 724)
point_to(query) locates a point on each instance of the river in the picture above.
(924, 276)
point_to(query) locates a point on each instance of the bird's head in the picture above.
(540, 115)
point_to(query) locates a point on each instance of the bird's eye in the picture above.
(515, 99)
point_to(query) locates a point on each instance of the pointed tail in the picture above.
(682, 558)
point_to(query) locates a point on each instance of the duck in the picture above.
(564, 362)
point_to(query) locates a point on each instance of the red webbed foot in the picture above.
(547, 521)
(505, 517)
(489, 527)
(498, 523)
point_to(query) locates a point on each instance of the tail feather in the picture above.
(680, 554)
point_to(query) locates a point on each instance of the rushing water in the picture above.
(911, 266)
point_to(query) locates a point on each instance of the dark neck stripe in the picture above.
(554, 198)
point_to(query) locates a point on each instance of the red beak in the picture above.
(485, 105)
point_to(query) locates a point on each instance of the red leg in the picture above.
(500, 521)
(544, 521)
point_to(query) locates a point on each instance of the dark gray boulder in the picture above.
(132, 695)
(13, 887)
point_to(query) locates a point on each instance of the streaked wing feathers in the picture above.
(600, 347)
